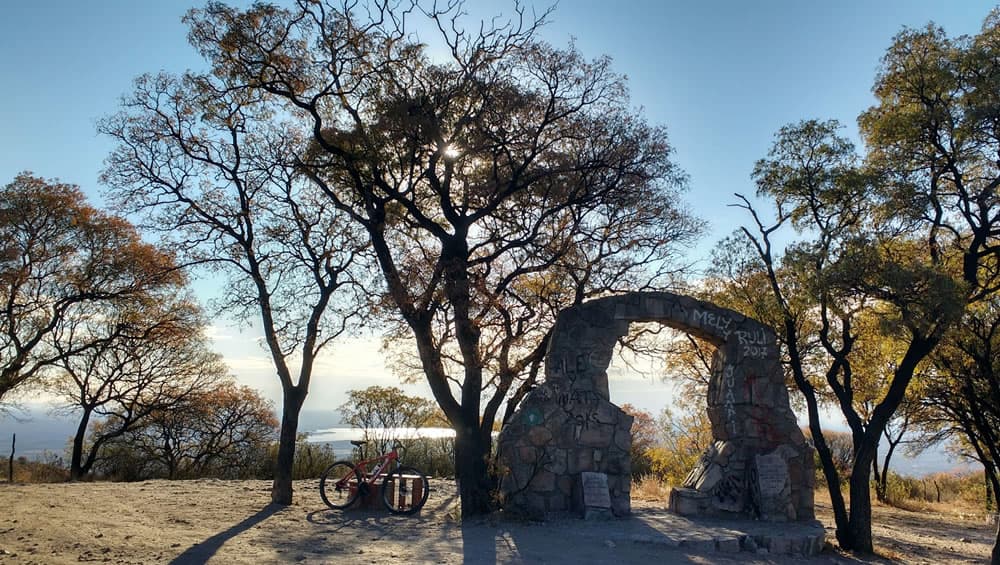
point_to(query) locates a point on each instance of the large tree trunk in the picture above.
(840, 517)
(837, 503)
(995, 556)
(993, 484)
(472, 452)
(859, 534)
(880, 480)
(76, 470)
(281, 489)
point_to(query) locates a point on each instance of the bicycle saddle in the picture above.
(358, 442)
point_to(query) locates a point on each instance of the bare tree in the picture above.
(220, 431)
(122, 377)
(212, 169)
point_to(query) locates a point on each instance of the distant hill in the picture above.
(38, 431)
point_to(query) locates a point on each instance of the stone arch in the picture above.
(759, 464)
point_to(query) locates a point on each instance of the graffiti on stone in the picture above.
(729, 490)
(729, 398)
(581, 405)
(710, 320)
(754, 343)
(572, 368)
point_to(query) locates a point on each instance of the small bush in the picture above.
(311, 459)
(964, 490)
(650, 487)
(899, 489)
(434, 456)
(48, 468)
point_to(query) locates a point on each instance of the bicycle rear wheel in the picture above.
(404, 490)
(340, 484)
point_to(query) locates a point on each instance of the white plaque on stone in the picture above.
(772, 474)
(595, 490)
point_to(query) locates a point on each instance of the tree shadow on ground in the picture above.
(202, 552)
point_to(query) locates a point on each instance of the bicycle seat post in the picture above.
(359, 446)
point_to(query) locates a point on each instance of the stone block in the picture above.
(597, 436)
(621, 505)
(596, 514)
(728, 545)
(711, 477)
(618, 464)
(688, 502)
(623, 439)
(557, 461)
(780, 545)
(698, 543)
(580, 460)
(527, 454)
(607, 413)
(543, 481)
(558, 503)
(539, 436)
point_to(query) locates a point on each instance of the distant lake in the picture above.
(339, 438)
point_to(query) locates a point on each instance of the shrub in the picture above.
(48, 468)
(434, 456)
(311, 459)
(681, 439)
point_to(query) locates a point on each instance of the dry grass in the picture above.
(650, 488)
(50, 470)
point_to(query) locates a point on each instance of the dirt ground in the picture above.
(209, 521)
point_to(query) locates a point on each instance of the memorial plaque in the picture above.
(595, 490)
(772, 474)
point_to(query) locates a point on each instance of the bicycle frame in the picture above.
(369, 475)
(383, 465)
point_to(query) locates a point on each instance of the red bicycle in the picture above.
(404, 489)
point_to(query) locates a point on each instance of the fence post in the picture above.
(10, 462)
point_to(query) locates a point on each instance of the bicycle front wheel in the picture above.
(404, 490)
(340, 484)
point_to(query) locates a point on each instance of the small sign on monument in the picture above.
(596, 496)
(772, 475)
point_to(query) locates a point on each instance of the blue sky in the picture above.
(723, 76)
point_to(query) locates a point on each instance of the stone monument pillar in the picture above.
(758, 465)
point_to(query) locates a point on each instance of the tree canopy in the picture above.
(473, 175)
(61, 258)
(897, 243)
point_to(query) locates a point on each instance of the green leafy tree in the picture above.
(964, 392)
(220, 431)
(382, 412)
(681, 439)
(909, 234)
(863, 260)
(212, 170)
(643, 439)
